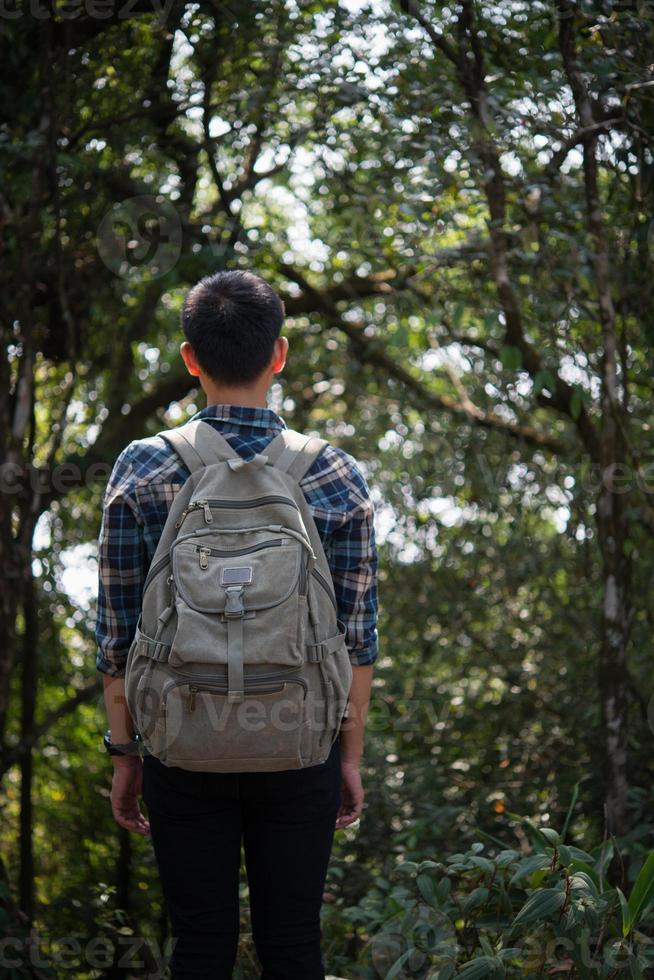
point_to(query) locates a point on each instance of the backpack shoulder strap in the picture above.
(293, 452)
(199, 444)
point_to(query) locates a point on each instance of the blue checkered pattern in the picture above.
(144, 481)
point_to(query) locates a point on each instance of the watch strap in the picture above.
(123, 748)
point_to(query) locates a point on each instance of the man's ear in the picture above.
(188, 356)
(279, 355)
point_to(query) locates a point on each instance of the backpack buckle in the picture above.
(234, 601)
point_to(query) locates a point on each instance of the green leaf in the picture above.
(576, 402)
(544, 379)
(511, 358)
(538, 878)
(457, 314)
(443, 889)
(406, 866)
(396, 968)
(504, 858)
(582, 866)
(538, 841)
(511, 952)
(481, 968)
(529, 865)
(626, 914)
(604, 858)
(426, 889)
(582, 882)
(541, 905)
(484, 864)
(642, 894)
(476, 898)
(571, 808)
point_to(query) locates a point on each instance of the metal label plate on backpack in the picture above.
(241, 575)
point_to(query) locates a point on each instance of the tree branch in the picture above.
(559, 156)
(471, 73)
(373, 352)
(13, 754)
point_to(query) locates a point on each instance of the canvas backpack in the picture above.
(239, 661)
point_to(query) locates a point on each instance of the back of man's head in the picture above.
(232, 320)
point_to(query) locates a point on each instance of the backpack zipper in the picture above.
(204, 682)
(303, 577)
(218, 552)
(272, 687)
(154, 570)
(322, 581)
(208, 504)
(282, 674)
(194, 689)
(275, 528)
(206, 553)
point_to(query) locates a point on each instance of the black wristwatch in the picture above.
(125, 748)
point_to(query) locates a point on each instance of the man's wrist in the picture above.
(132, 747)
(126, 761)
(351, 752)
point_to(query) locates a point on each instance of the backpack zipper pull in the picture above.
(191, 703)
(204, 557)
(180, 519)
(208, 517)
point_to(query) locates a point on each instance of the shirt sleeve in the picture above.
(353, 560)
(122, 567)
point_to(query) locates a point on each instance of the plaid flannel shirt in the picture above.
(143, 483)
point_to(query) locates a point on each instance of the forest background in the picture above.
(455, 202)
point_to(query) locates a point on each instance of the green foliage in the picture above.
(491, 912)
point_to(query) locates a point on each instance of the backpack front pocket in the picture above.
(262, 732)
(252, 575)
(267, 569)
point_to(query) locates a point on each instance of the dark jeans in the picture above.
(286, 820)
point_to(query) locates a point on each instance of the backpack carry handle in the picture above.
(257, 460)
(198, 444)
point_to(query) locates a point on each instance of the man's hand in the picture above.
(352, 732)
(128, 769)
(125, 792)
(351, 795)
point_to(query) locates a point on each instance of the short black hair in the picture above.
(232, 320)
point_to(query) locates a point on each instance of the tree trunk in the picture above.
(10, 601)
(613, 532)
(616, 616)
(28, 706)
(611, 518)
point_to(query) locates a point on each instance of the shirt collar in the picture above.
(244, 415)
